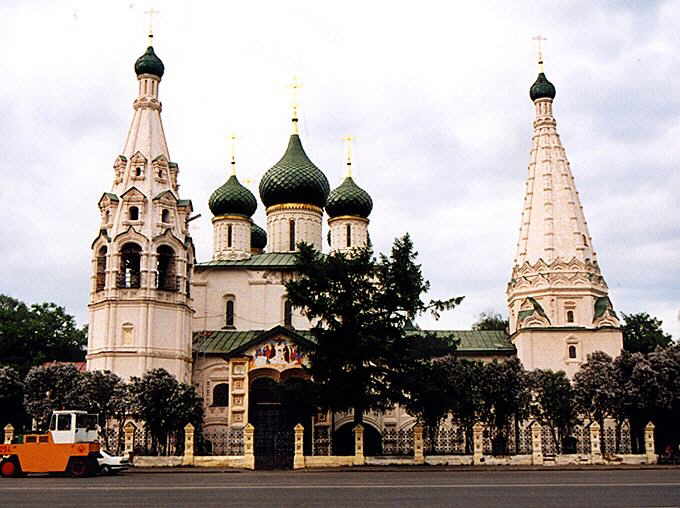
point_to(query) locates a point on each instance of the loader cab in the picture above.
(73, 427)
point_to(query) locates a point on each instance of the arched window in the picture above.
(130, 259)
(230, 234)
(107, 217)
(101, 268)
(220, 395)
(570, 316)
(572, 352)
(585, 240)
(230, 314)
(291, 234)
(349, 235)
(138, 171)
(160, 173)
(287, 314)
(165, 269)
(165, 216)
(133, 213)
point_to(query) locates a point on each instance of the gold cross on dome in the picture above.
(232, 149)
(348, 153)
(151, 12)
(295, 104)
(539, 42)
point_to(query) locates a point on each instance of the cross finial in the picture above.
(539, 42)
(294, 97)
(232, 149)
(348, 153)
(151, 12)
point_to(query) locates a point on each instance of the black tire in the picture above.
(79, 467)
(105, 470)
(10, 467)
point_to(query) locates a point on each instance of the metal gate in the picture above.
(274, 438)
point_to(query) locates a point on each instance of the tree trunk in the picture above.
(358, 415)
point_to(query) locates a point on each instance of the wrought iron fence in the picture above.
(321, 444)
(221, 441)
(397, 442)
(448, 440)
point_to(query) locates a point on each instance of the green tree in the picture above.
(553, 403)
(504, 397)
(362, 307)
(490, 321)
(643, 334)
(465, 396)
(100, 391)
(53, 387)
(31, 336)
(11, 399)
(165, 406)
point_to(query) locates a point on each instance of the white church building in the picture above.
(224, 324)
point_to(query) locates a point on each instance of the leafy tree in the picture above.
(53, 387)
(362, 307)
(490, 321)
(31, 336)
(101, 389)
(553, 403)
(165, 406)
(11, 398)
(504, 396)
(596, 389)
(464, 396)
(642, 333)
(425, 387)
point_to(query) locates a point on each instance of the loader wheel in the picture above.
(79, 467)
(10, 467)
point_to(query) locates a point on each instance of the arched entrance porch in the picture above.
(343, 440)
(278, 402)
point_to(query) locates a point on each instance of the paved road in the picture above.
(621, 489)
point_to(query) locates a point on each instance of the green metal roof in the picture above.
(184, 202)
(232, 198)
(149, 63)
(349, 199)
(280, 260)
(111, 196)
(542, 88)
(230, 341)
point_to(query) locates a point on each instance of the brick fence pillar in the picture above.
(359, 459)
(249, 446)
(188, 459)
(536, 444)
(478, 443)
(418, 445)
(299, 457)
(129, 429)
(649, 444)
(595, 450)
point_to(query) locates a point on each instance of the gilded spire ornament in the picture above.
(539, 43)
(348, 154)
(295, 103)
(232, 149)
(151, 13)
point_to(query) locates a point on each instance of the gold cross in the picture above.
(232, 149)
(151, 13)
(539, 39)
(348, 153)
(295, 97)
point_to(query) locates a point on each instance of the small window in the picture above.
(585, 240)
(133, 213)
(107, 217)
(101, 269)
(230, 234)
(165, 216)
(230, 313)
(570, 316)
(220, 396)
(291, 232)
(349, 235)
(160, 173)
(287, 314)
(572, 352)
(63, 422)
(138, 171)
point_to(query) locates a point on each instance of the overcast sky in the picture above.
(435, 93)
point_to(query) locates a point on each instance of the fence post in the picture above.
(248, 447)
(595, 451)
(359, 459)
(536, 444)
(299, 456)
(478, 443)
(188, 459)
(9, 433)
(649, 444)
(418, 452)
(129, 429)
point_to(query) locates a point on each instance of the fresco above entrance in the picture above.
(278, 353)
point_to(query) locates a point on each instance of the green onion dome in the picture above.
(149, 63)
(542, 88)
(258, 237)
(294, 179)
(232, 198)
(349, 199)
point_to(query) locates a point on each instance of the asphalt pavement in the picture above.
(647, 488)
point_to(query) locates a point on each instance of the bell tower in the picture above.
(140, 306)
(558, 301)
